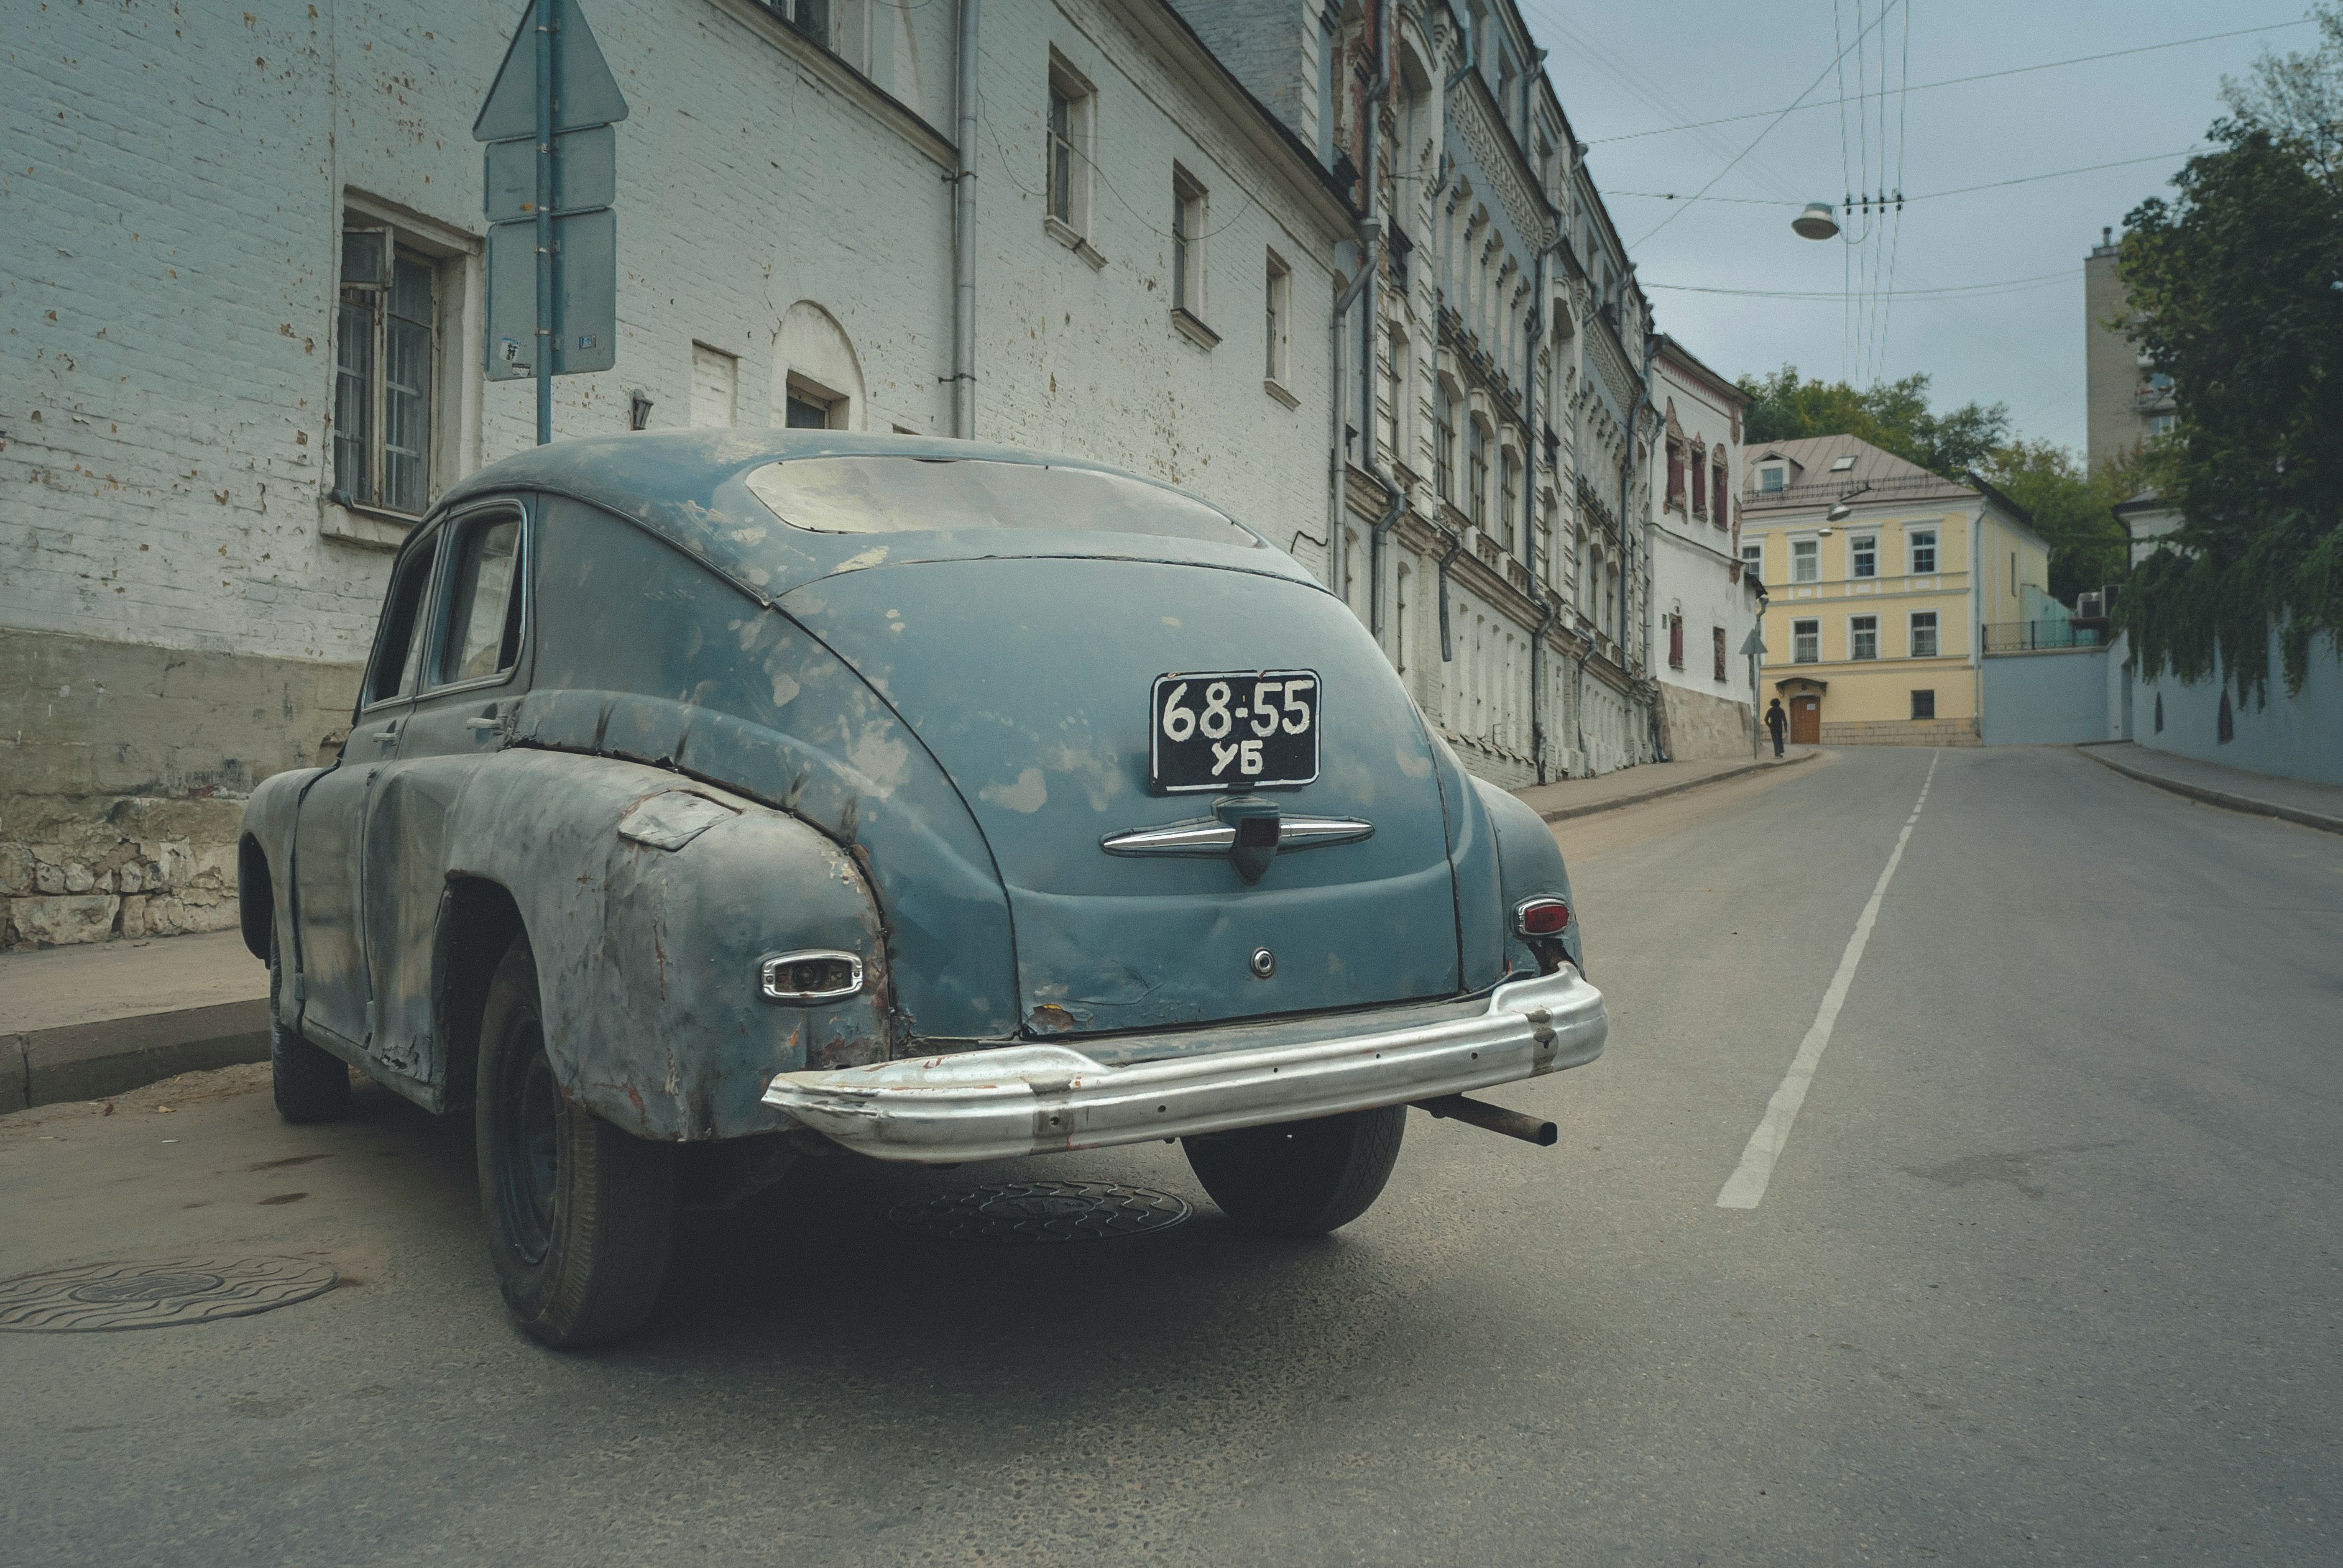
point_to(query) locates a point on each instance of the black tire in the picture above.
(580, 1216)
(311, 1085)
(1300, 1178)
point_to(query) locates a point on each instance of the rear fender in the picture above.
(648, 957)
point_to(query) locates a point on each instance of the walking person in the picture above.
(1778, 722)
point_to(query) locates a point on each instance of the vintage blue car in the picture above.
(711, 796)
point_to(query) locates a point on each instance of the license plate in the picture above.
(1235, 729)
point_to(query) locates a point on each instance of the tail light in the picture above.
(1541, 917)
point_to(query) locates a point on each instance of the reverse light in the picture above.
(1541, 917)
(806, 978)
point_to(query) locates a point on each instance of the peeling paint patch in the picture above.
(1029, 794)
(865, 560)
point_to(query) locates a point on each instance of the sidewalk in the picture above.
(83, 1022)
(2312, 805)
(1630, 786)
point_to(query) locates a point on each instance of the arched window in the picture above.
(817, 378)
(1699, 480)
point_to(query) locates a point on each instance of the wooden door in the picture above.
(1807, 720)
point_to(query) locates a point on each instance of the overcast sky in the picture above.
(1622, 69)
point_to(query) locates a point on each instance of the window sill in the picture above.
(1064, 235)
(370, 527)
(1281, 393)
(1193, 328)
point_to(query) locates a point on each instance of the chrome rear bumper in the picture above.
(1044, 1098)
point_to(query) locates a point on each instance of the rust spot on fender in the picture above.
(1051, 1019)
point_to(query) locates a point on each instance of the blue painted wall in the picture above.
(2298, 736)
(2056, 696)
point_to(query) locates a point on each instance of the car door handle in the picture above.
(391, 734)
(484, 723)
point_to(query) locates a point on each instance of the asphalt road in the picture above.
(2046, 1270)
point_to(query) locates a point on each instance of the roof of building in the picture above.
(1724, 385)
(1811, 482)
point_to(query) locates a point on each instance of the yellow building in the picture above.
(1881, 576)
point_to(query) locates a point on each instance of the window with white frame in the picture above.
(1805, 560)
(1753, 555)
(1924, 633)
(1805, 642)
(1277, 328)
(1477, 474)
(1862, 555)
(1443, 440)
(1771, 478)
(1863, 636)
(1073, 114)
(810, 17)
(1188, 210)
(1923, 544)
(1509, 497)
(386, 355)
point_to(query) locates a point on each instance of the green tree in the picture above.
(1893, 415)
(2071, 508)
(2236, 290)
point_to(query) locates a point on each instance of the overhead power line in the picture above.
(1948, 81)
(1927, 195)
(1953, 291)
(1776, 120)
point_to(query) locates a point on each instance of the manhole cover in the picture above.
(94, 1298)
(1031, 1213)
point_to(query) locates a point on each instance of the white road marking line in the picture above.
(1746, 1186)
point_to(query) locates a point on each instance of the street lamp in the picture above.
(1817, 222)
(1842, 508)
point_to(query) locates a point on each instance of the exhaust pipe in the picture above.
(1494, 1118)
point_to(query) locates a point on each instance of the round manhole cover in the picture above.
(94, 1298)
(1031, 1213)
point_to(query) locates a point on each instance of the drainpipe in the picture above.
(1626, 476)
(1456, 543)
(1371, 348)
(965, 234)
(1529, 496)
(1337, 464)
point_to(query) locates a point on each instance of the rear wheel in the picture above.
(580, 1216)
(310, 1084)
(1300, 1178)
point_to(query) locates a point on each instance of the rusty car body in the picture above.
(711, 794)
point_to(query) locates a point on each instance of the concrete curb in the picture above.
(92, 1060)
(2223, 797)
(1563, 813)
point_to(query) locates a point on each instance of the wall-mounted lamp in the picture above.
(639, 408)
(1843, 509)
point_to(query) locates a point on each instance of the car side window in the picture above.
(484, 602)
(398, 653)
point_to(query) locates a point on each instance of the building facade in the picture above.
(2127, 403)
(1876, 628)
(1706, 604)
(248, 349)
(1496, 429)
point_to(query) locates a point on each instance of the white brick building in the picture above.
(192, 547)
(1706, 603)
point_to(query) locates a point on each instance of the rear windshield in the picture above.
(904, 495)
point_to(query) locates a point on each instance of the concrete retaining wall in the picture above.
(2050, 697)
(2297, 737)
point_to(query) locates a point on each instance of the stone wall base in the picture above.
(121, 792)
(1699, 726)
(1902, 732)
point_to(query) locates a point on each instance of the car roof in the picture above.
(689, 488)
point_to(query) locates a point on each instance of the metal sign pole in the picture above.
(544, 335)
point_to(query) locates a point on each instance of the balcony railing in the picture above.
(2023, 636)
